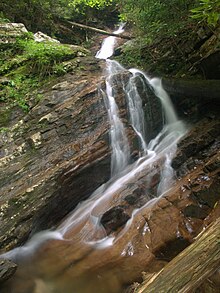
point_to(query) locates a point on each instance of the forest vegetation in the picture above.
(148, 17)
(28, 64)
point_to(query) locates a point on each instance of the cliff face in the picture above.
(47, 153)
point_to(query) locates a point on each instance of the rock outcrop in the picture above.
(46, 155)
(56, 155)
(61, 148)
(10, 31)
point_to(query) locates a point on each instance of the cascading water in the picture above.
(136, 111)
(119, 141)
(107, 48)
(82, 232)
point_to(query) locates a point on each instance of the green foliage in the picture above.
(40, 57)
(156, 17)
(81, 5)
(35, 14)
(131, 56)
(44, 56)
(43, 15)
(16, 91)
(4, 129)
(26, 65)
(4, 116)
(208, 11)
(3, 19)
(59, 69)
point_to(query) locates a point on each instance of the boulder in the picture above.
(10, 31)
(41, 37)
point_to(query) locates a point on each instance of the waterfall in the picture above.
(136, 111)
(164, 144)
(107, 48)
(119, 141)
(82, 228)
(165, 141)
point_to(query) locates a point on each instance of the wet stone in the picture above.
(213, 166)
(195, 211)
(114, 218)
(7, 269)
(171, 249)
(131, 199)
(209, 196)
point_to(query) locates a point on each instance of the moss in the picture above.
(28, 66)
(5, 115)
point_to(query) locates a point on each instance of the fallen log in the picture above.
(191, 267)
(204, 89)
(99, 31)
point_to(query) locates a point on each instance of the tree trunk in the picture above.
(99, 31)
(191, 267)
(204, 89)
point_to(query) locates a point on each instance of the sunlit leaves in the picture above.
(208, 11)
(81, 5)
(155, 15)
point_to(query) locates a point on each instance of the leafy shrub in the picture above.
(156, 17)
(43, 56)
(27, 64)
(3, 19)
(16, 91)
(208, 11)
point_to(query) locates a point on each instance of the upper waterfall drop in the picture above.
(172, 128)
(164, 141)
(107, 48)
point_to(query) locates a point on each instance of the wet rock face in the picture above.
(196, 146)
(54, 157)
(57, 155)
(114, 219)
(152, 108)
(177, 217)
(7, 270)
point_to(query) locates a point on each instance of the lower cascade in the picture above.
(91, 250)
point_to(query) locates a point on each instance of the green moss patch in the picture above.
(26, 66)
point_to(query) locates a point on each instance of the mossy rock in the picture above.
(5, 114)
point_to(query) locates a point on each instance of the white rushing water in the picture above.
(119, 141)
(136, 111)
(107, 48)
(163, 145)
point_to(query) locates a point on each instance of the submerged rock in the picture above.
(114, 218)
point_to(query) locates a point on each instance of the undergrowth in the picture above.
(25, 65)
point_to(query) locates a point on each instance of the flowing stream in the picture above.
(72, 261)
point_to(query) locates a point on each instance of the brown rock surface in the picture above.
(46, 154)
(158, 231)
(59, 154)
(7, 270)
